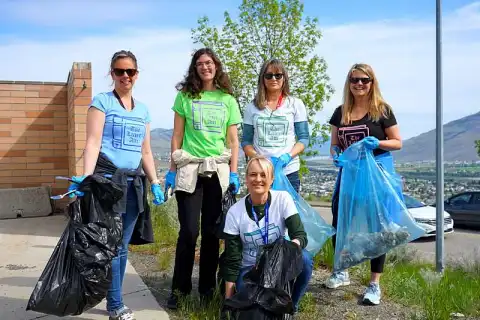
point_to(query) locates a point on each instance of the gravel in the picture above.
(343, 303)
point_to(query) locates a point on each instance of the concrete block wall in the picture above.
(42, 130)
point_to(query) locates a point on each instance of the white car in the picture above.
(426, 216)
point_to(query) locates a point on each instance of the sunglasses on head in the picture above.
(120, 72)
(362, 80)
(270, 76)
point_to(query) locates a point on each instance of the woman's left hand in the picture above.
(297, 242)
(235, 181)
(285, 159)
(158, 197)
(371, 143)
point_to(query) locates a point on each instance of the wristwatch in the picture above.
(155, 181)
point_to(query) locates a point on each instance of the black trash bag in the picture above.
(228, 200)
(78, 274)
(267, 291)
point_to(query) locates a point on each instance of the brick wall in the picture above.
(42, 130)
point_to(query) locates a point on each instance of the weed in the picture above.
(165, 228)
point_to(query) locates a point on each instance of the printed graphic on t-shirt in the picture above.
(208, 116)
(128, 133)
(254, 240)
(272, 131)
(350, 135)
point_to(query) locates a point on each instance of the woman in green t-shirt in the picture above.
(205, 127)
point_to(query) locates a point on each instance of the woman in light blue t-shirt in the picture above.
(118, 133)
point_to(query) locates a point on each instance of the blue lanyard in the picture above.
(264, 234)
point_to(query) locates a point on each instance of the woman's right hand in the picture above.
(229, 289)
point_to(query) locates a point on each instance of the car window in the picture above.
(461, 199)
(411, 202)
(476, 198)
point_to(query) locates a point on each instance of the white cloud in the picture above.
(402, 52)
(163, 57)
(85, 13)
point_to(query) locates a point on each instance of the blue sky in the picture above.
(41, 39)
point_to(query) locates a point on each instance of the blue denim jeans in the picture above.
(294, 179)
(119, 263)
(301, 282)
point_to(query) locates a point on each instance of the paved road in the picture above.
(462, 244)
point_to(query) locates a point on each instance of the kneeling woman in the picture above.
(245, 228)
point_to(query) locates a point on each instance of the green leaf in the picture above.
(272, 29)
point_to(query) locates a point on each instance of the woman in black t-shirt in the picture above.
(363, 115)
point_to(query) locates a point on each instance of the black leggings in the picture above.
(377, 264)
(198, 213)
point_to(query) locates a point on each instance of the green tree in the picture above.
(268, 29)
(477, 145)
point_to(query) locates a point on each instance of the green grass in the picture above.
(165, 231)
(406, 280)
(411, 282)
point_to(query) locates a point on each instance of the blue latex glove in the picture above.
(170, 180)
(371, 143)
(285, 159)
(338, 163)
(158, 196)
(76, 180)
(235, 181)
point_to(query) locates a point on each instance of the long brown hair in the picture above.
(260, 100)
(193, 85)
(377, 106)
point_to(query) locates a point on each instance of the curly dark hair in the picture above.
(193, 85)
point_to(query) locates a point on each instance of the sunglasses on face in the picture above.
(269, 76)
(362, 80)
(120, 72)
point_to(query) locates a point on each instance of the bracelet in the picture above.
(155, 181)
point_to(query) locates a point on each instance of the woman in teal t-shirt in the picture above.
(205, 127)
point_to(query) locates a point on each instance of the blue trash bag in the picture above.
(318, 231)
(372, 216)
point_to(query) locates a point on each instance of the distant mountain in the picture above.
(459, 142)
(160, 140)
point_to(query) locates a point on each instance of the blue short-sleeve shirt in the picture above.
(124, 131)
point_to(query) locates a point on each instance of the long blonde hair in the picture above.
(377, 106)
(260, 100)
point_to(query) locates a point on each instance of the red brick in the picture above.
(13, 100)
(5, 120)
(40, 165)
(24, 94)
(25, 173)
(52, 159)
(40, 127)
(5, 106)
(12, 166)
(5, 134)
(39, 114)
(59, 172)
(12, 87)
(13, 153)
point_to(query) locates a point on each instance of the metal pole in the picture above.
(439, 147)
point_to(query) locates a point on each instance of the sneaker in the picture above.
(372, 294)
(338, 279)
(172, 302)
(124, 313)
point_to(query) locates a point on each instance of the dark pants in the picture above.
(206, 199)
(377, 264)
(294, 179)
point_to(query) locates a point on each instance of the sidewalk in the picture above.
(26, 247)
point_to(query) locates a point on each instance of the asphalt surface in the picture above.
(460, 245)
